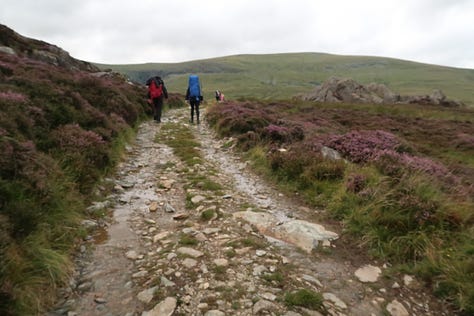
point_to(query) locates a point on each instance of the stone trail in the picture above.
(161, 257)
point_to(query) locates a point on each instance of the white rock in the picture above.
(146, 296)
(214, 312)
(189, 263)
(167, 283)
(395, 308)
(258, 270)
(269, 296)
(140, 274)
(221, 262)
(190, 252)
(407, 280)
(132, 255)
(197, 199)
(335, 300)
(368, 274)
(202, 306)
(168, 208)
(164, 308)
(263, 305)
(160, 236)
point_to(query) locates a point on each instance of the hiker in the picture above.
(218, 95)
(156, 92)
(193, 94)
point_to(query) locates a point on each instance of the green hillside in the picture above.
(284, 75)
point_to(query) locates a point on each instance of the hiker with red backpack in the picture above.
(156, 92)
(194, 95)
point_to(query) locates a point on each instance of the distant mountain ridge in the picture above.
(285, 75)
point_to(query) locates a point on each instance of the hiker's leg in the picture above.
(159, 109)
(192, 111)
(155, 109)
(197, 111)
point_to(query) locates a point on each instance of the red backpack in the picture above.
(156, 90)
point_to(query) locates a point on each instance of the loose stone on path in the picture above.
(368, 274)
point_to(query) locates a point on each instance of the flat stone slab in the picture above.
(395, 308)
(301, 233)
(146, 296)
(304, 234)
(164, 308)
(368, 274)
(190, 252)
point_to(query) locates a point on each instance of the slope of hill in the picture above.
(62, 125)
(284, 75)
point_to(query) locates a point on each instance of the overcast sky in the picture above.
(129, 31)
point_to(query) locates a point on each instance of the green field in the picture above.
(282, 76)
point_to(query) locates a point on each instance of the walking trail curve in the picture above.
(176, 247)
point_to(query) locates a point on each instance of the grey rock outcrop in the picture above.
(345, 90)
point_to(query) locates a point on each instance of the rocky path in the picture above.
(176, 247)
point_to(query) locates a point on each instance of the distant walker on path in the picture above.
(194, 95)
(156, 92)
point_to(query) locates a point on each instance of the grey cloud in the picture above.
(117, 31)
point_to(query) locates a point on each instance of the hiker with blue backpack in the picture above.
(156, 92)
(194, 96)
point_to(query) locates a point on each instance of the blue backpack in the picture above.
(194, 87)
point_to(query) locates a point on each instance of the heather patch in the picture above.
(60, 131)
(362, 146)
(234, 118)
(282, 134)
(464, 141)
(13, 97)
(404, 191)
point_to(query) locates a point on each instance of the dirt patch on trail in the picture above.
(175, 245)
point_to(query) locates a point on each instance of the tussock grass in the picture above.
(304, 298)
(187, 240)
(207, 215)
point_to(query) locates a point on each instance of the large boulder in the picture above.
(336, 90)
(343, 90)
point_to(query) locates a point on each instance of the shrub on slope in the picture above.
(60, 129)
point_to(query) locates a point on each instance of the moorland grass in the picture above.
(304, 298)
(416, 213)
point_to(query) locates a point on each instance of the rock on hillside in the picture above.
(346, 90)
(16, 44)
